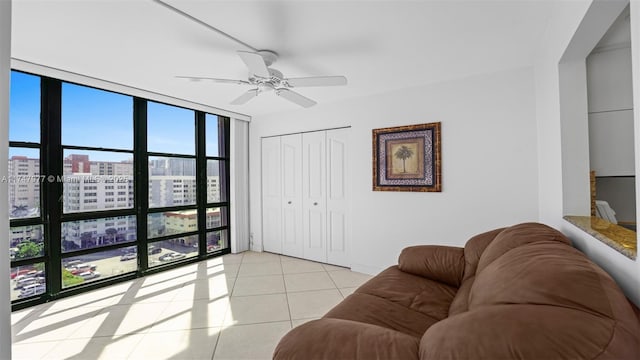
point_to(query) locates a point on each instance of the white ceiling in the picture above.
(378, 45)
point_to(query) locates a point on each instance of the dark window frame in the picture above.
(51, 209)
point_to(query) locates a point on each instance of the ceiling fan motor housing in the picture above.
(265, 86)
(273, 82)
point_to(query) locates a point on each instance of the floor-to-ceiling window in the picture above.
(105, 187)
(27, 240)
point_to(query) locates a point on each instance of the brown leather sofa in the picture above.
(521, 292)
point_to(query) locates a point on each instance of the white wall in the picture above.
(489, 171)
(585, 18)
(5, 56)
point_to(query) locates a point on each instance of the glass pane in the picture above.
(170, 129)
(26, 242)
(217, 240)
(24, 108)
(91, 267)
(98, 118)
(211, 135)
(172, 181)
(87, 234)
(171, 222)
(97, 180)
(215, 187)
(24, 183)
(216, 217)
(27, 281)
(166, 251)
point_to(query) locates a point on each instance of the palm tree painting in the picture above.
(403, 153)
(407, 158)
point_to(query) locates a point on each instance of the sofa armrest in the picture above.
(345, 339)
(440, 263)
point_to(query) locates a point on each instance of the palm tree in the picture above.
(20, 210)
(404, 153)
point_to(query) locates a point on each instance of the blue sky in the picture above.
(98, 118)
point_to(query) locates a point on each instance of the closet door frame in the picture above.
(315, 217)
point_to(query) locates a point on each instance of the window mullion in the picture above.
(201, 182)
(141, 179)
(51, 140)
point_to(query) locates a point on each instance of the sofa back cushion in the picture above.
(553, 274)
(472, 252)
(440, 263)
(532, 295)
(474, 248)
(516, 236)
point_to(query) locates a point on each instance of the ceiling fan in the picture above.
(267, 79)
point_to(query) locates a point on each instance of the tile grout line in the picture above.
(334, 283)
(286, 295)
(224, 318)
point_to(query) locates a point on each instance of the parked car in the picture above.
(13, 252)
(129, 256)
(154, 250)
(31, 290)
(172, 256)
(22, 271)
(26, 281)
(71, 263)
(81, 268)
(89, 275)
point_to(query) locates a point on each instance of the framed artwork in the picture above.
(407, 158)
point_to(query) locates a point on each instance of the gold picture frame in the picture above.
(407, 158)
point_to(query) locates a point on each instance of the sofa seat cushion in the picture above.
(398, 301)
(369, 309)
(426, 296)
(343, 339)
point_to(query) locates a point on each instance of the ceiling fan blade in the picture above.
(244, 98)
(255, 63)
(224, 81)
(317, 81)
(295, 97)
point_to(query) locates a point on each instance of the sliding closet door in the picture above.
(271, 195)
(292, 239)
(338, 231)
(314, 195)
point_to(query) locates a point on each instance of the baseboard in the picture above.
(366, 269)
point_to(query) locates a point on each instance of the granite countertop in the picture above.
(617, 237)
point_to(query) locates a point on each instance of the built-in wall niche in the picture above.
(611, 133)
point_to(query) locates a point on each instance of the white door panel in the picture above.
(337, 232)
(271, 195)
(314, 200)
(338, 205)
(291, 149)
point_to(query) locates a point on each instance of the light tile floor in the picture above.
(234, 307)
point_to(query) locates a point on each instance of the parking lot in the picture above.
(108, 264)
